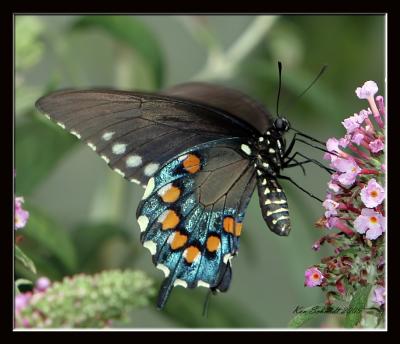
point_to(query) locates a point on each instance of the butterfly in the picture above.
(199, 150)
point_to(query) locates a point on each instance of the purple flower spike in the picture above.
(367, 90)
(372, 194)
(313, 277)
(330, 206)
(371, 223)
(21, 215)
(379, 295)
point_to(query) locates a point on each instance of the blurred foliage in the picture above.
(87, 301)
(60, 179)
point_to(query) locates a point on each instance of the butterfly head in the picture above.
(281, 125)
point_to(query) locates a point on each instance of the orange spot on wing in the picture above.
(192, 252)
(171, 195)
(213, 243)
(171, 220)
(192, 163)
(231, 226)
(178, 241)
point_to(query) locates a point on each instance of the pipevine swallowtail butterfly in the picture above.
(199, 150)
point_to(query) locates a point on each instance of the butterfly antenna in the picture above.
(279, 87)
(206, 303)
(322, 71)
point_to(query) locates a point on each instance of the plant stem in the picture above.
(223, 65)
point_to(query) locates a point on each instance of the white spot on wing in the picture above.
(246, 149)
(133, 161)
(91, 145)
(149, 188)
(271, 150)
(261, 139)
(259, 172)
(108, 135)
(107, 160)
(227, 257)
(279, 144)
(162, 217)
(73, 132)
(151, 168)
(183, 157)
(119, 172)
(47, 116)
(119, 148)
(264, 182)
(180, 282)
(143, 222)
(267, 191)
(201, 283)
(62, 125)
(265, 164)
(133, 180)
(164, 269)
(151, 246)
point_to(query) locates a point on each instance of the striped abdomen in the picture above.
(273, 205)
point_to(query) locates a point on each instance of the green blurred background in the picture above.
(83, 214)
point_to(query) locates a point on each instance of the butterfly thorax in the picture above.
(268, 151)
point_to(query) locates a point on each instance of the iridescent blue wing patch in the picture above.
(192, 212)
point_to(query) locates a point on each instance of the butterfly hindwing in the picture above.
(136, 133)
(191, 214)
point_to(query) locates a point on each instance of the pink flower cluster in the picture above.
(354, 197)
(355, 205)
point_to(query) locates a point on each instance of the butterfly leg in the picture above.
(299, 187)
(287, 163)
(296, 139)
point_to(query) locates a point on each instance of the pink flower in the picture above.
(21, 215)
(349, 169)
(372, 194)
(344, 141)
(333, 186)
(371, 223)
(351, 124)
(313, 277)
(42, 283)
(363, 115)
(367, 90)
(379, 295)
(357, 138)
(376, 146)
(330, 206)
(332, 145)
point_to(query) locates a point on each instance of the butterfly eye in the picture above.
(281, 124)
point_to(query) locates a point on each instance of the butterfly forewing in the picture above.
(135, 133)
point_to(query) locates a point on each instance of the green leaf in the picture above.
(135, 34)
(305, 315)
(24, 259)
(186, 308)
(39, 146)
(356, 306)
(48, 235)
